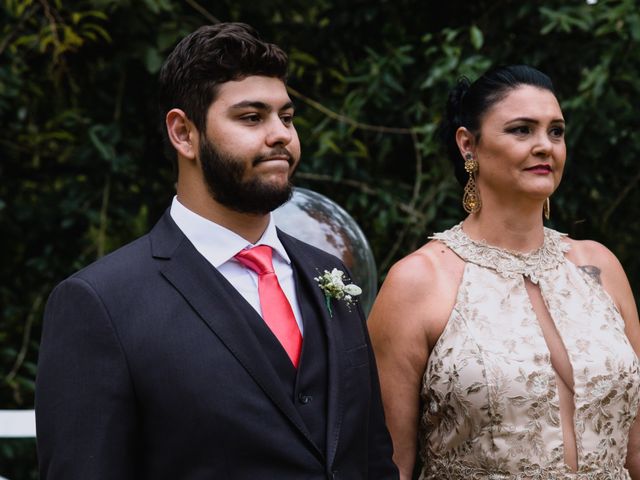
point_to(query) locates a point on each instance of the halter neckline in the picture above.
(508, 263)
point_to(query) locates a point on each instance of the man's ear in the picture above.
(466, 141)
(182, 133)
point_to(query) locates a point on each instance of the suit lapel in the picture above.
(306, 267)
(222, 308)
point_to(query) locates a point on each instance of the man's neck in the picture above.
(248, 226)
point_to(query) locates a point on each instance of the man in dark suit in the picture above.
(205, 349)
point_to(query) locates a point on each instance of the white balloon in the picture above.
(319, 221)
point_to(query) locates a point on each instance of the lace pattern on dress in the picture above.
(507, 263)
(459, 471)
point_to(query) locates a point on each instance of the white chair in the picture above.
(17, 424)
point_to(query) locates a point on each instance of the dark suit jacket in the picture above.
(149, 369)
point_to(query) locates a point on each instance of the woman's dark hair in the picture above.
(213, 54)
(468, 102)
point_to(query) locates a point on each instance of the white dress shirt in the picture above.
(219, 245)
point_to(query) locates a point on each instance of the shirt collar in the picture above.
(217, 243)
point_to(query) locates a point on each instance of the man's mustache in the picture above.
(276, 152)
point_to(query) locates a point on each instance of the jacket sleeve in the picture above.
(86, 417)
(381, 466)
(380, 448)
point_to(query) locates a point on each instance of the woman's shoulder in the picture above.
(420, 289)
(597, 260)
(585, 253)
(426, 276)
(425, 265)
(603, 266)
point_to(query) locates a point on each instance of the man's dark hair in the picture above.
(468, 102)
(204, 59)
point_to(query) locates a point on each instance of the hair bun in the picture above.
(454, 102)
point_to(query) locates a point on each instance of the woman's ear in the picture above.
(466, 141)
(182, 133)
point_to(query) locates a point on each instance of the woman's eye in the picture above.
(557, 132)
(520, 130)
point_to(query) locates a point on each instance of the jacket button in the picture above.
(304, 399)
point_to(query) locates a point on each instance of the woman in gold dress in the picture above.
(507, 350)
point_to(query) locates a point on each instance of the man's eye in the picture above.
(251, 118)
(286, 119)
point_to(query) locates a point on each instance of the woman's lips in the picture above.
(541, 169)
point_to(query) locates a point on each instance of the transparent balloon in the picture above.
(319, 221)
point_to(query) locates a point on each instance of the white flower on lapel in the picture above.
(334, 284)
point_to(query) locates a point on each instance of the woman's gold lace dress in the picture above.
(490, 402)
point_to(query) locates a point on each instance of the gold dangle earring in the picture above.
(471, 198)
(546, 208)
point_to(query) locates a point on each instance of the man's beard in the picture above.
(224, 174)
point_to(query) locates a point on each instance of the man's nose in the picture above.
(279, 132)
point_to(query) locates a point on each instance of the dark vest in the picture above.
(306, 386)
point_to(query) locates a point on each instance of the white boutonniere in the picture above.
(335, 285)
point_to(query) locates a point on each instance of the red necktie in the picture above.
(276, 310)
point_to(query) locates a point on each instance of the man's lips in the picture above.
(285, 158)
(541, 169)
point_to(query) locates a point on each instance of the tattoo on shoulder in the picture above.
(592, 271)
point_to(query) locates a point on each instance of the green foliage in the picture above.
(83, 173)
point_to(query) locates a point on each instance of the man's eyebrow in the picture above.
(260, 105)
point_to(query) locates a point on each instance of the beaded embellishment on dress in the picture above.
(507, 263)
